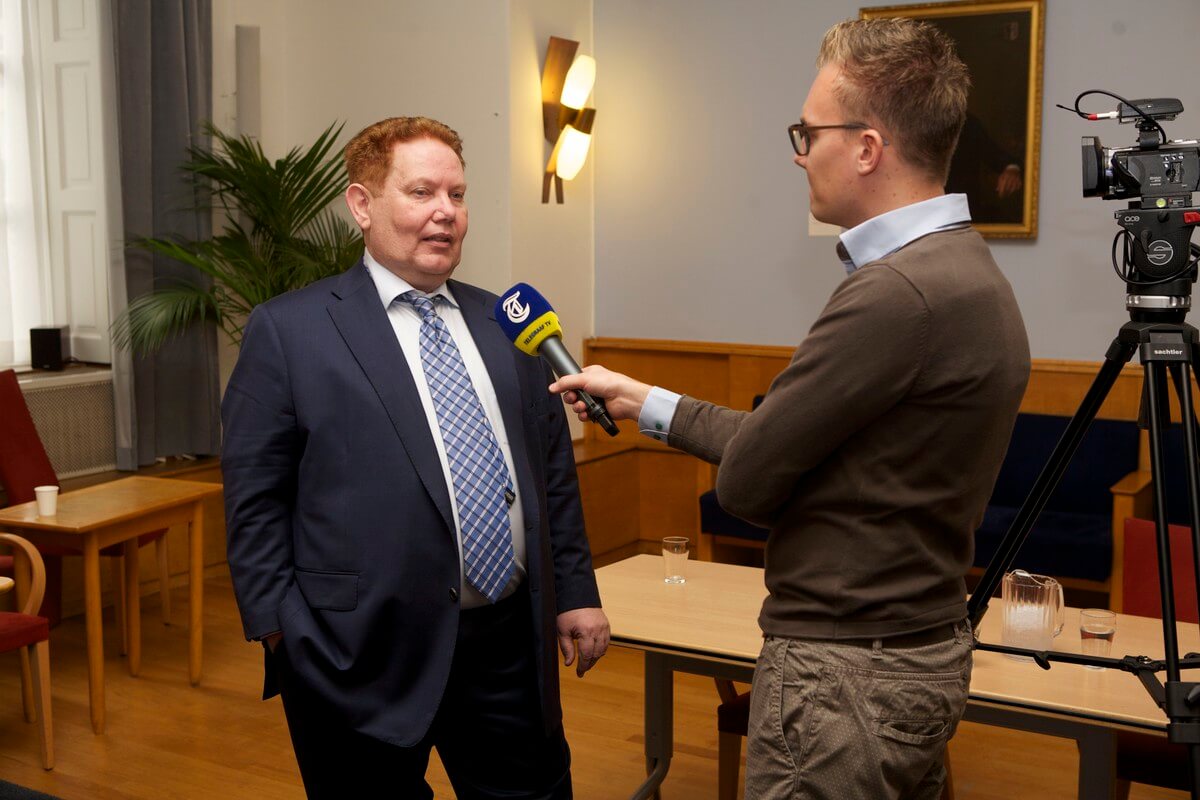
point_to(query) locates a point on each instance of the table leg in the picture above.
(660, 718)
(133, 612)
(1097, 764)
(196, 592)
(1097, 744)
(95, 631)
(117, 581)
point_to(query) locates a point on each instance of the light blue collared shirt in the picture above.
(887, 233)
(870, 241)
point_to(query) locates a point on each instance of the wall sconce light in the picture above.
(566, 83)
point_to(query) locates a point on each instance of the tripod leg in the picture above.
(1119, 352)
(1183, 384)
(1192, 455)
(1155, 382)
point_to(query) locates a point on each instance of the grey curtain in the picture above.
(163, 59)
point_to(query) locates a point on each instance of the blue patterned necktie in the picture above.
(477, 470)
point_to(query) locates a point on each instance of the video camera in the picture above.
(1158, 177)
(1153, 169)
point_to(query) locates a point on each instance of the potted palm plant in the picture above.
(279, 235)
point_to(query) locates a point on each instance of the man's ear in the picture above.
(870, 151)
(358, 199)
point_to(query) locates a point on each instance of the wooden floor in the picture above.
(166, 739)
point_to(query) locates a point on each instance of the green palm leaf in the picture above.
(152, 319)
(279, 235)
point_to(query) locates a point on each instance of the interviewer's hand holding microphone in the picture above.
(593, 393)
(622, 395)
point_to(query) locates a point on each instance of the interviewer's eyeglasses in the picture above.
(801, 133)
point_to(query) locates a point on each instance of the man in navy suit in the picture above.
(405, 531)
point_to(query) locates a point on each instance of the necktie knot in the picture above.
(423, 304)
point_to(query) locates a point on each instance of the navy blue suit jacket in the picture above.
(340, 531)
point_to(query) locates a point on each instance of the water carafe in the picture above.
(1033, 610)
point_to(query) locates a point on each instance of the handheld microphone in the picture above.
(531, 324)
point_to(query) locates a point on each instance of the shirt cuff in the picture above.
(657, 413)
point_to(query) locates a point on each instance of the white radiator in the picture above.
(73, 413)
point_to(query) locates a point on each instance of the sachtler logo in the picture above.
(1169, 351)
(1160, 252)
(513, 309)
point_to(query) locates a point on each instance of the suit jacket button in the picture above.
(453, 595)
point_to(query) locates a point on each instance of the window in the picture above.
(24, 285)
(59, 179)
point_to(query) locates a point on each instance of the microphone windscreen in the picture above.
(526, 318)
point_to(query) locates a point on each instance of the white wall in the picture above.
(473, 64)
(701, 228)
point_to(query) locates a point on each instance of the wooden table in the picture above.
(118, 512)
(708, 626)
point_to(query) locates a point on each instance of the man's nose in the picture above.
(445, 211)
(799, 162)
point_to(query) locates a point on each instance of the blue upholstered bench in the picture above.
(1073, 537)
(723, 526)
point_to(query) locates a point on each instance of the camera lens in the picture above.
(1094, 177)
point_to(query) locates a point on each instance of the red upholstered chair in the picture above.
(24, 465)
(1142, 758)
(1141, 594)
(22, 630)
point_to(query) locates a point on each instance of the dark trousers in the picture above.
(488, 730)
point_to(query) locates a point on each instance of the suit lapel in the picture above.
(500, 357)
(363, 323)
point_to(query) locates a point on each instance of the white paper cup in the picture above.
(47, 500)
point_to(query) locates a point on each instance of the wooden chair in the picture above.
(733, 721)
(1143, 758)
(30, 634)
(24, 465)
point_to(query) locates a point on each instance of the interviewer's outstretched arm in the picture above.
(623, 395)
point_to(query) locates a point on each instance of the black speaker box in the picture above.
(49, 347)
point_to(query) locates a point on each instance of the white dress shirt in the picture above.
(406, 322)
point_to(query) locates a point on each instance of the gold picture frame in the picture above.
(1002, 43)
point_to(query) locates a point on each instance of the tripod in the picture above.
(1164, 347)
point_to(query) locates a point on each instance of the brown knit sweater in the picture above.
(874, 452)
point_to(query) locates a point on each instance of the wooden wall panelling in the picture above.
(679, 366)
(732, 374)
(1058, 387)
(669, 488)
(751, 375)
(611, 496)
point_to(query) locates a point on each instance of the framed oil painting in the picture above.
(996, 163)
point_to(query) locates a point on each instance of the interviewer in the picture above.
(874, 452)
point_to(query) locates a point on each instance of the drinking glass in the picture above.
(675, 555)
(1097, 629)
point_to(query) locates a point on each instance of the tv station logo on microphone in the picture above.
(513, 309)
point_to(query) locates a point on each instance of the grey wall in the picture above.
(701, 216)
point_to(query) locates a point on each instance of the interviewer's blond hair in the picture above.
(904, 75)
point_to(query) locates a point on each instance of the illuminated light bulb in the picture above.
(581, 77)
(572, 152)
